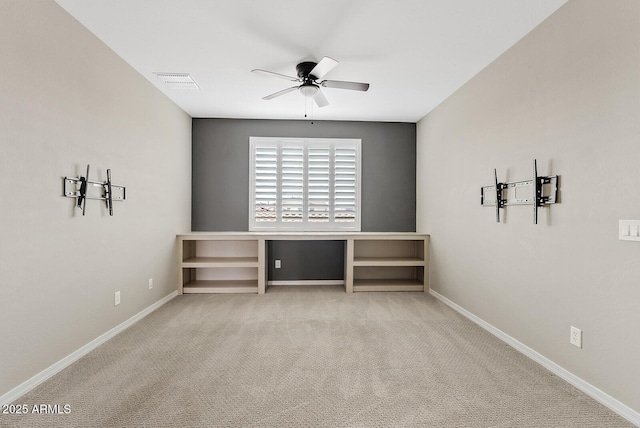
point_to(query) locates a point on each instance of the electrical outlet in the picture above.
(150, 283)
(576, 337)
(278, 264)
(117, 299)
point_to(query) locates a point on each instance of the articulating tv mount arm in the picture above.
(109, 192)
(538, 192)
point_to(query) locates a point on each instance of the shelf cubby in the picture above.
(224, 265)
(388, 278)
(393, 264)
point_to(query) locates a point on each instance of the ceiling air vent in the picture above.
(178, 80)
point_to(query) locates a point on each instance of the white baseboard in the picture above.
(29, 384)
(308, 282)
(597, 394)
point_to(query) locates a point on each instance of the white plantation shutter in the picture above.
(304, 184)
(292, 183)
(266, 184)
(345, 184)
(318, 179)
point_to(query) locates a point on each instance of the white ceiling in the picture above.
(414, 53)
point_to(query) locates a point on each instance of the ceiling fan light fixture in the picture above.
(308, 90)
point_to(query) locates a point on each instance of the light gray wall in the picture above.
(568, 94)
(221, 179)
(67, 101)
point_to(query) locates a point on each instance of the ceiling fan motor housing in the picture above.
(304, 68)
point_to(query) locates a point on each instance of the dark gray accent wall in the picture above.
(220, 177)
(309, 260)
(220, 180)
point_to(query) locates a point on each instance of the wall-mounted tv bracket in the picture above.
(498, 188)
(82, 189)
(538, 191)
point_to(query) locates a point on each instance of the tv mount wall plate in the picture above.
(82, 189)
(538, 191)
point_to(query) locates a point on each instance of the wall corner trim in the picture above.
(49, 372)
(603, 398)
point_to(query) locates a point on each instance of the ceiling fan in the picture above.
(309, 75)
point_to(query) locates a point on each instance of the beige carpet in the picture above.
(309, 357)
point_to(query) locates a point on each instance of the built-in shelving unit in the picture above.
(235, 262)
(221, 264)
(392, 264)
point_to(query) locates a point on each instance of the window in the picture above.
(304, 184)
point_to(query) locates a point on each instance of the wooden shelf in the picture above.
(203, 262)
(387, 285)
(220, 286)
(388, 261)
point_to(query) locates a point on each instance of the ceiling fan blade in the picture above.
(339, 84)
(320, 99)
(277, 94)
(325, 65)
(271, 73)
